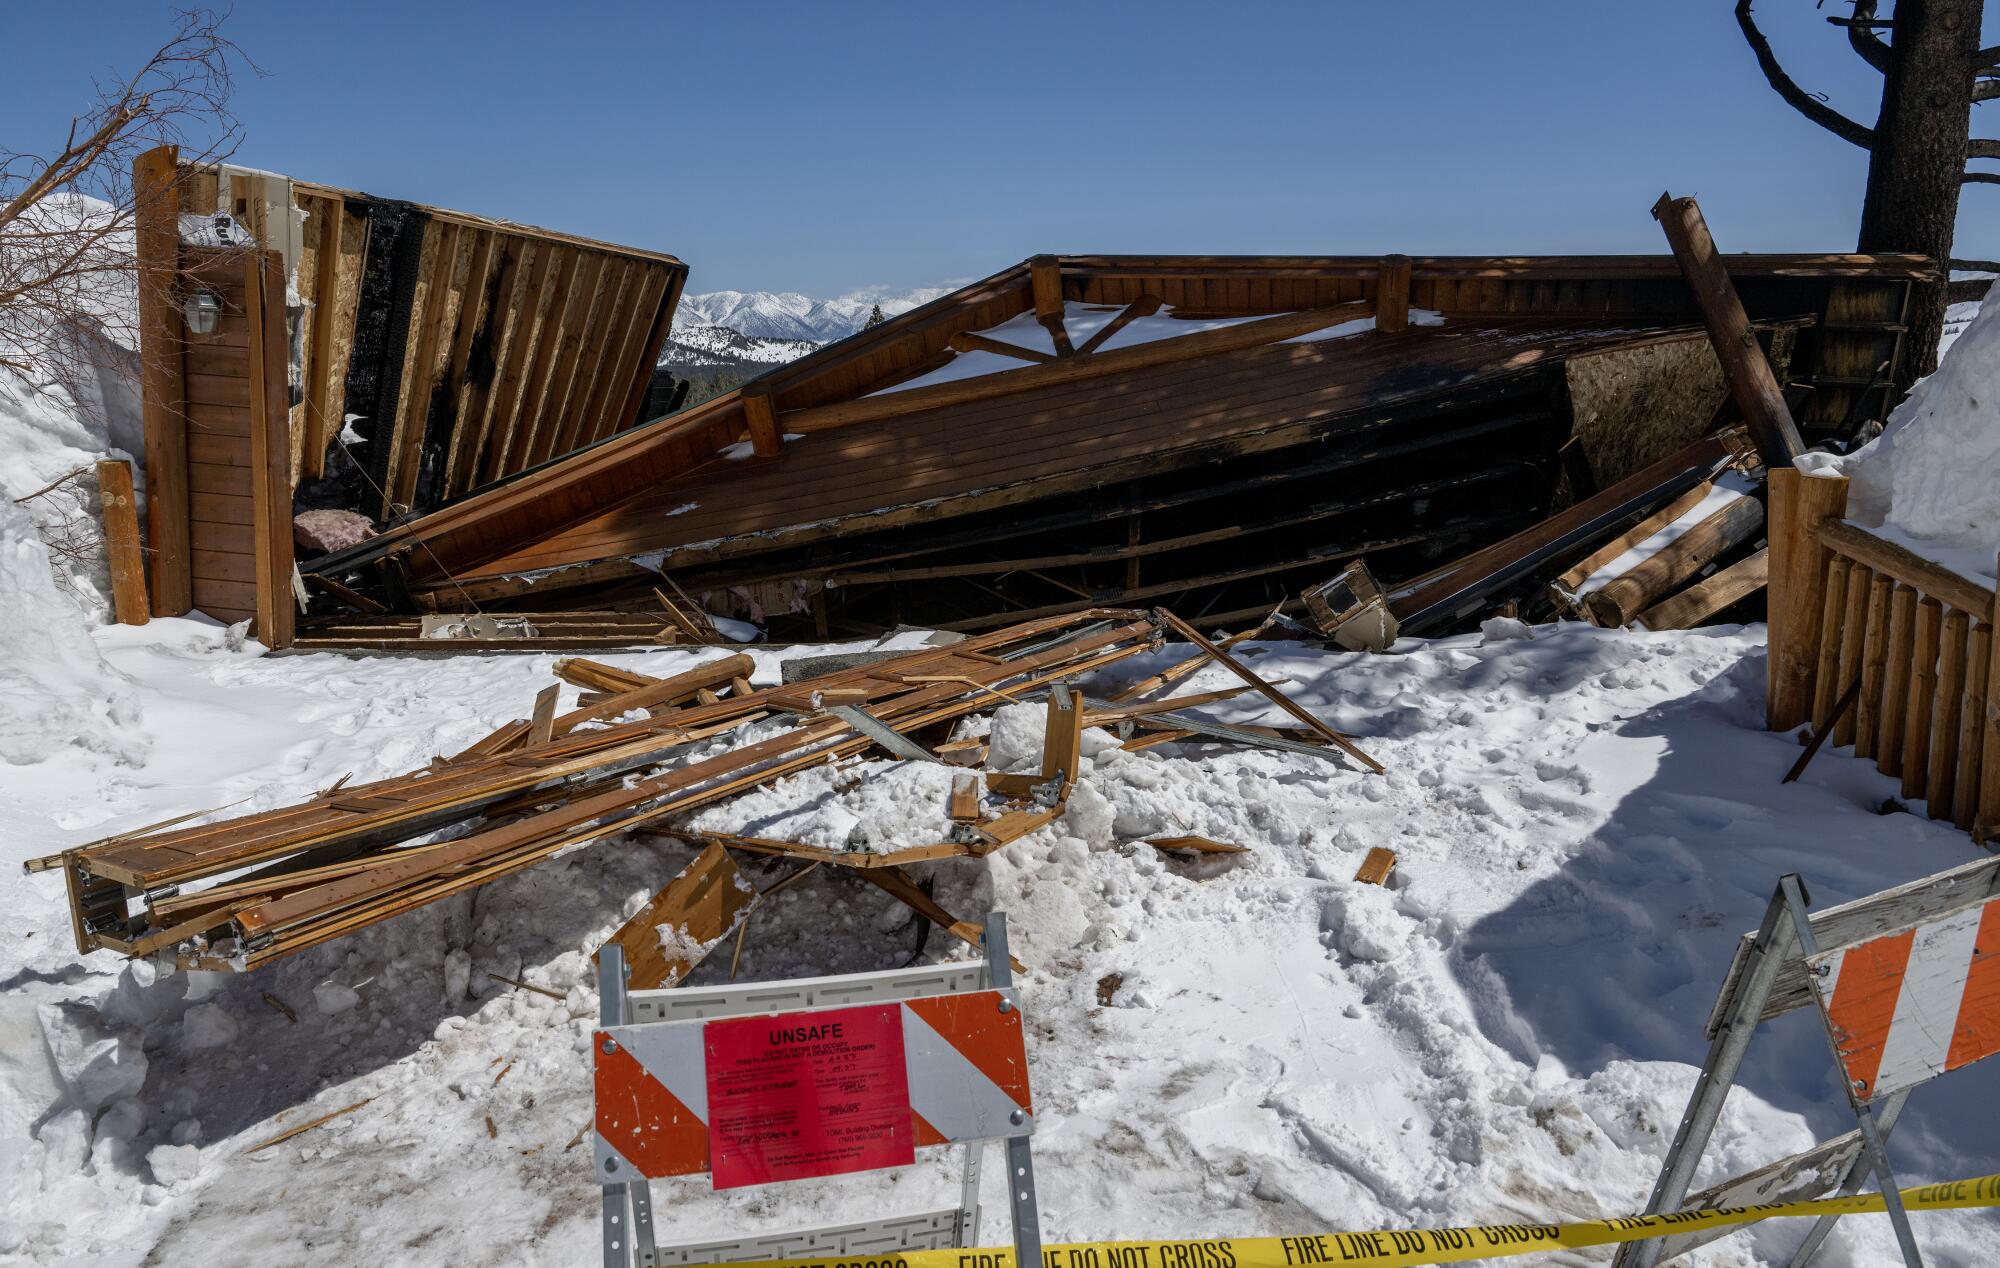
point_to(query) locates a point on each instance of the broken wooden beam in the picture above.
(1702, 600)
(760, 417)
(1619, 601)
(1265, 689)
(1748, 371)
(1376, 868)
(688, 918)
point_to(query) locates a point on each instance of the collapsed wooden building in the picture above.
(1210, 433)
(1077, 431)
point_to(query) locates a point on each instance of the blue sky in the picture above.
(830, 147)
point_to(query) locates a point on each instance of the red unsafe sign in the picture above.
(807, 1094)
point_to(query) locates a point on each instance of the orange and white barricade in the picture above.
(1907, 982)
(778, 1081)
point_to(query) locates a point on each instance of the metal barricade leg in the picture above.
(645, 1252)
(968, 1196)
(1773, 943)
(619, 1243)
(1020, 1153)
(1822, 1227)
(1864, 1113)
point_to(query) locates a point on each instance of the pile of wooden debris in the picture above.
(238, 893)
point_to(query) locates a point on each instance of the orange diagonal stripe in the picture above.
(1978, 1032)
(642, 1120)
(1864, 1003)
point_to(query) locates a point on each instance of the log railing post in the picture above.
(1986, 821)
(1798, 502)
(1392, 294)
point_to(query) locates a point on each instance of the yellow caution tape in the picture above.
(1406, 1247)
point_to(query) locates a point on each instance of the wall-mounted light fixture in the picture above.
(202, 310)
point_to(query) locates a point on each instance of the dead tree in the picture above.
(67, 213)
(1919, 148)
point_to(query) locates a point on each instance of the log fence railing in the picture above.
(1848, 607)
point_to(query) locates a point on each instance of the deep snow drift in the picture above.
(1586, 821)
(1932, 479)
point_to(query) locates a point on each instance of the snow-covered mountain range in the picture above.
(725, 345)
(786, 315)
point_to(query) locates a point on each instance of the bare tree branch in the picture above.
(1985, 90)
(1798, 98)
(1977, 266)
(1861, 36)
(1987, 58)
(66, 215)
(1980, 147)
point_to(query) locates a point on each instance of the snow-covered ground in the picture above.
(1586, 820)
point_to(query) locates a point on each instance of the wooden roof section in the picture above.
(1057, 421)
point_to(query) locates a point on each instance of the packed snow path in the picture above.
(1585, 821)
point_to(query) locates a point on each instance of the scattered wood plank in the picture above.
(542, 722)
(527, 986)
(1265, 689)
(1377, 867)
(1825, 729)
(701, 906)
(965, 798)
(897, 884)
(1196, 845)
(307, 1126)
(1748, 372)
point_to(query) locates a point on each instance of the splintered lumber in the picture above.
(1062, 738)
(236, 894)
(677, 689)
(542, 722)
(1751, 383)
(1619, 601)
(1710, 595)
(306, 1126)
(121, 542)
(1182, 668)
(965, 797)
(697, 909)
(897, 884)
(1265, 689)
(1196, 845)
(1460, 588)
(1563, 590)
(594, 675)
(1375, 868)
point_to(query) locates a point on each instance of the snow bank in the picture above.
(1928, 481)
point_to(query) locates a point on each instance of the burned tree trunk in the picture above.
(1917, 161)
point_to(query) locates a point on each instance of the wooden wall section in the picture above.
(238, 490)
(471, 348)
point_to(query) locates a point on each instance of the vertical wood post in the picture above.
(1045, 278)
(270, 446)
(1986, 822)
(121, 541)
(1392, 294)
(162, 378)
(1874, 658)
(1923, 698)
(1896, 682)
(1799, 566)
(761, 415)
(1941, 779)
(1972, 727)
(1743, 362)
(1827, 682)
